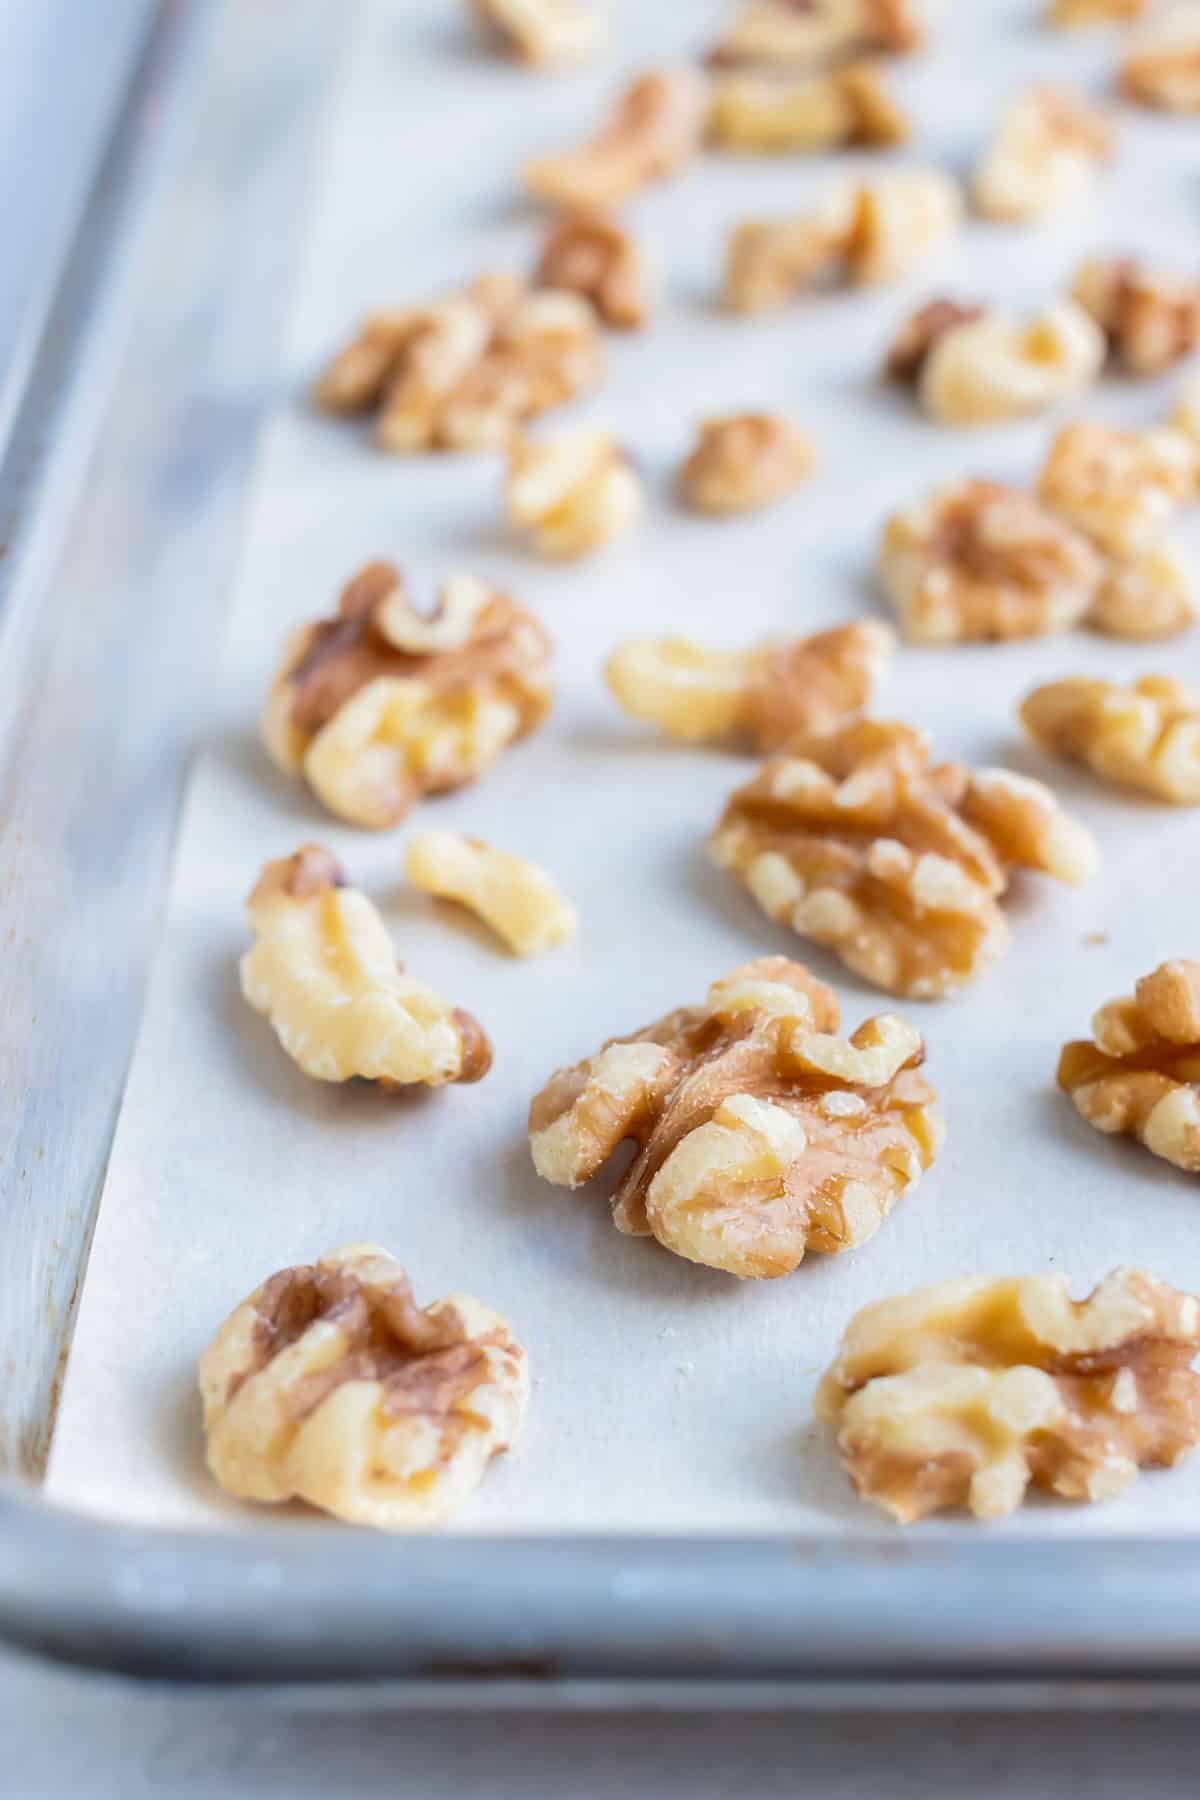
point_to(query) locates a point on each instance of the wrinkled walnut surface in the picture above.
(654, 128)
(742, 461)
(1146, 736)
(1140, 1073)
(763, 115)
(591, 254)
(1120, 487)
(1150, 318)
(1146, 597)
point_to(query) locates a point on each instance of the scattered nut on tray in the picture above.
(858, 842)
(967, 1393)
(1096, 12)
(1146, 597)
(329, 1384)
(515, 897)
(1146, 736)
(764, 696)
(765, 115)
(324, 971)
(591, 254)
(1047, 150)
(761, 1134)
(655, 127)
(381, 705)
(1140, 1072)
(784, 34)
(1150, 318)
(1162, 68)
(972, 366)
(459, 373)
(1122, 488)
(543, 32)
(571, 495)
(743, 461)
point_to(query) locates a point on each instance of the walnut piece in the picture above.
(515, 897)
(764, 696)
(984, 370)
(762, 115)
(806, 33)
(743, 461)
(978, 561)
(1047, 150)
(967, 1393)
(922, 331)
(761, 1134)
(324, 971)
(542, 32)
(655, 127)
(1120, 487)
(1151, 319)
(572, 494)
(329, 1384)
(459, 373)
(857, 842)
(1162, 69)
(1140, 1074)
(590, 254)
(1148, 596)
(379, 705)
(1072, 13)
(1146, 736)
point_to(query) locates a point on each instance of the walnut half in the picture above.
(743, 461)
(985, 369)
(655, 127)
(761, 1134)
(1046, 152)
(590, 254)
(763, 115)
(1120, 487)
(808, 33)
(573, 494)
(330, 1384)
(967, 1393)
(1151, 319)
(1140, 1074)
(1146, 736)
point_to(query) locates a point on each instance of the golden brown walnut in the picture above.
(763, 115)
(460, 373)
(1140, 1073)
(760, 1133)
(512, 895)
(381, 705)
(573, 494)
(1146, 597)
(806, 33)
(329, 1384)
(764, 697)
(1150, 318)
(984, 370)
(1146, 736)
(542, 32)
(979, 561)
(324, 971)
(1048, 148)
(1073, 13)
(655, 127)
(742, 461)
(1120, 487)
(967, 1393)
(1162, 69)
(592, 255)
(857, 842)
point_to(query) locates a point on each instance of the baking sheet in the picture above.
(667, 1397)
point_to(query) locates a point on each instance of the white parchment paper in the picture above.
(667, 1397)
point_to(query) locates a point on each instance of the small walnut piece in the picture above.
(979, 561)
(516, 898)
(761, 1134)
(1049, 145)
(1120, 487)
(542, 32)
(324, 971)
(743, 461)
(1162, 69)
(899, 220)
(655, 127)
(379, 705)
(1151, 319)
(573, 494)
(1073, 13)
(967, 1393)
(1140, 1074)
(763, 115)
(989, 369)
(922, 332)
(807, 33)
(858, 843)
(592, 255)
(764, 696)
(329, 1384)
(1146, 597)
(1146, 736)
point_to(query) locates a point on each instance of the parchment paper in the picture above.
(667, 1397)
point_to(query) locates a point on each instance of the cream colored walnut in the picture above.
(1150, 318)
(857, 842)
(784, 34)
(1140, 1073)
(1048, 148)
(655, 127)
(764, 696)
(989, 369)
(900, 219)
(763, 115)
(1073, 13)
(515, 897)
(1162, 69)
(590, 254)
(760, 1133)
(543, 32)
(459, 373)
(1146, 597)
(329, 1384)
(571, 494)
(980, 561)
(324, 971)
(742, 461)
(379, 705)
(1146, 736)
(967, 1393)
(1120, 487)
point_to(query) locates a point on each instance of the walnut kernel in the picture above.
(763, 115)
(655, 127)
(515, 897)
(1146, 736)
(1140, 1074)
(1148, 596)
(1120, 487)
(590, 254)
(1162, 69)
(787, 35)
(1151, 319)
(542, 32)
(745, 460)
(988, 369)
(573, 494)
(1045, 154)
